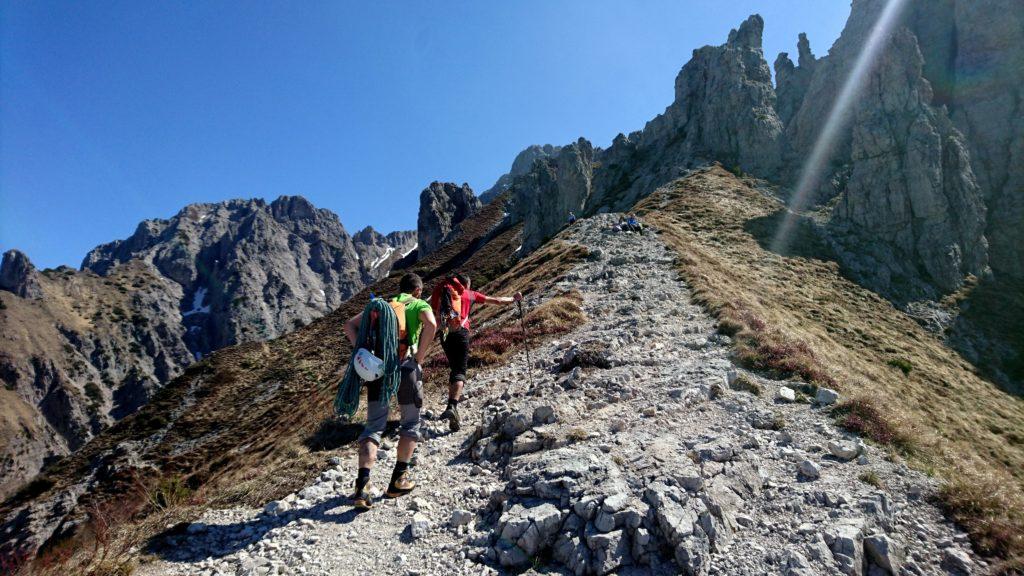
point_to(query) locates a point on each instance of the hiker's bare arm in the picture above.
(352, 328)
(426, 335)
(504, 300)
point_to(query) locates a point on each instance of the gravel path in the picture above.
(636, 453)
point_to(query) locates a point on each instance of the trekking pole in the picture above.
(526, 342)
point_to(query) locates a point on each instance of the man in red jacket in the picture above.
(456, 344)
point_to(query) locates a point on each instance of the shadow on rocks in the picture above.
(804, 240)
(198, 541)
(333, 434)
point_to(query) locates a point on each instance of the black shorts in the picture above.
(456, 349)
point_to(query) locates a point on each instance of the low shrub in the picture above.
(902, 364)
(577, 434)
(169, 492)
(871, 477)
(990, 512)
(862, 416)
(745, 383)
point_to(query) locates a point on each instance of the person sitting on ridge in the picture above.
(453, 301)
(633, 225)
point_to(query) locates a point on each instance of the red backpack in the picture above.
(446, 300)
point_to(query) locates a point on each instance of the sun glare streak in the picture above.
(814, 167)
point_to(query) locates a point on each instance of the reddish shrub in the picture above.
(862, 416)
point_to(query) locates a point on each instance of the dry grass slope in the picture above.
(796, 315)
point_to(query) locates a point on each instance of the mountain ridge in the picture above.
(86, 348)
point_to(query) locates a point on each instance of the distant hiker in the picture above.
(572, 218)
(388, 358)
(452, 300)
(633, 225)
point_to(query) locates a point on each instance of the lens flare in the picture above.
(838, 118)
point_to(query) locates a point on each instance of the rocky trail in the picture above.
(640, 450)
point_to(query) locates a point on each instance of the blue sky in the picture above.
(114, 112)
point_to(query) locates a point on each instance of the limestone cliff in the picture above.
(443, 206)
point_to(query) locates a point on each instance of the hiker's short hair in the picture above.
(463, 279)
(410, 282)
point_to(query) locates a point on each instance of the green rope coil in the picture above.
(383, 342)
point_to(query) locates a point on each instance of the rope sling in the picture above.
(380, 337)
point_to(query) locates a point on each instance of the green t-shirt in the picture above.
(413, 324)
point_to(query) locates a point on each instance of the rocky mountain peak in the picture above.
(379, 253)
(292, 208)
(368, 236)
(18, 275)
(520, 166)
(749, 34)
(803, 46)
(792, 81)
(443, 206)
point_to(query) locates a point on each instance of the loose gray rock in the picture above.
(809, 470)
(826, 396)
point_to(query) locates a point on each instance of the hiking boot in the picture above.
(452, 414)
(361, 500)
(400, 486)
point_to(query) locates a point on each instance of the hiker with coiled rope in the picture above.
(390, 339)
(452, 300)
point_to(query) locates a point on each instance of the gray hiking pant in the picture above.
(410, 401)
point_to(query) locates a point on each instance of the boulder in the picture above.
(826, 396)
(785, 394)
(957, 562)
(809, 470)
(885, 553)
(419, 526)
(524, 531)
(844, 450)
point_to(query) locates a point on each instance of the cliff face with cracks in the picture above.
(443, 206)
(922, 186)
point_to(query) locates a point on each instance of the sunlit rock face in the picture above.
(249, 270)
(987, 104)
(443, 206)
(724, 110)
(554, 187)
(520, 166)
(911, 217)
(918, 175)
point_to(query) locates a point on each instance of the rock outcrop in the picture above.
(792, 81)
(443, 206)
(520, 166)
(920, 186)
(724, 110)
(725, 104)
(18, 275)
(554, 187)
(911, 216)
